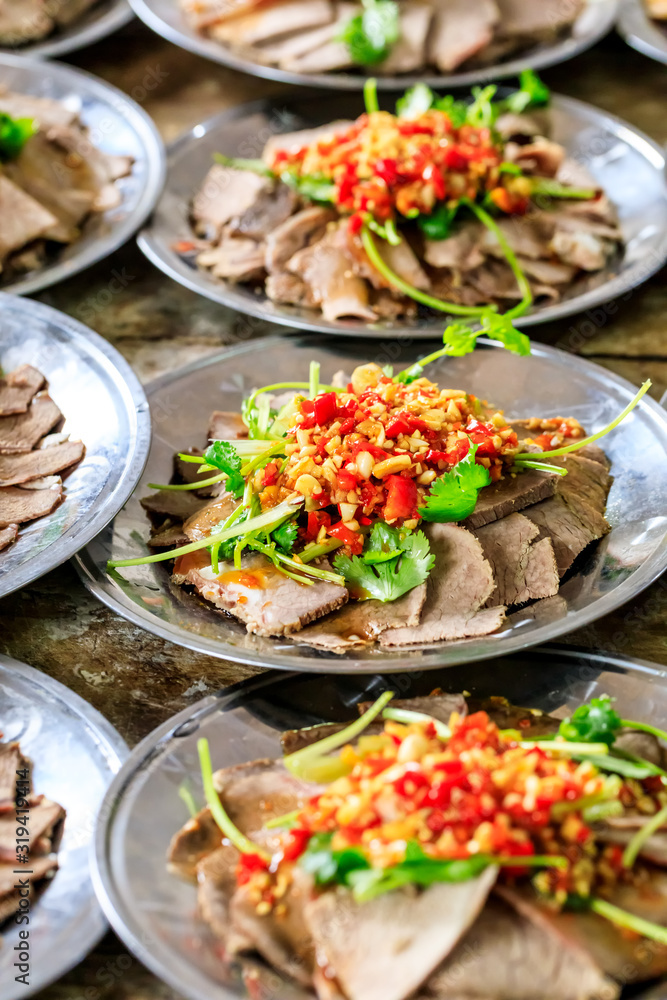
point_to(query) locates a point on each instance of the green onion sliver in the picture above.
(405, 716)
(624, 919)
(189, 486)
(524, 463)
(566, 449)
(301, 762)
(521, 279)
(632, 851)
(232, 832)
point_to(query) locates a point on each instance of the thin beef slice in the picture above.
(523, 568)
(513, 493)
(457, 590)
(17, 469)
(8, 535)
(20, 432)
(18, 504)
(18, 388)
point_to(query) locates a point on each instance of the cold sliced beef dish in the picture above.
(323, 36)
(37, 857)
(26, 22)
(53, 179)
(439, 848)
(382, 510)
(35, 455)
(441, 206)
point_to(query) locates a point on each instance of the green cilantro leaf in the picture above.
(224, 456)
(370, 35)
(316, 187)
(597, 722)
(438, 225)
(14, 133)
(394, 563)
(456, 110)
(482, 113)
(415, 101)
(501, 328)
(454, 494)
(327, 866)
(285, 536)
(532, 93)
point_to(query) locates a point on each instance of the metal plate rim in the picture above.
(637, 29)
(224, 293)
(641, 578)
(121, 918)
(80, 81)
(189, 39)
(139, 418)
(102, 731)
(63, 43)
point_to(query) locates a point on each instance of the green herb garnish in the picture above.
(454, 495)
(394, 562)
(370, 35)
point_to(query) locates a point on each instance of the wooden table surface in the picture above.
(137, 680)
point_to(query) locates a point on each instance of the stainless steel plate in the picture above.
(118, 126)
(647, 36)
(548, 383)
(626, 163)
(104, 406)
(100, 21)
(76, 752)
(167, 19)
(153, 912)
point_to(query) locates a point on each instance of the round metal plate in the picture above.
(104, 406)
(548, 382)
(75, 753)
(167, 19)
(626, 163)
(102, 20)
(647, 36)
(118, 126)
(154, 912)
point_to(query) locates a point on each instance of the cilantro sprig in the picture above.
(454, 495)
(224, 456)
(14, 133)
(370, 35)
(394, 562)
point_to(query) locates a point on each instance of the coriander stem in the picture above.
(633, 849)
(189, 486)
(521, 279)
(624, 919)
(380, 265)
(371, 95)
(644, 727)
(232, 832)
(525, 463)
(592, 437)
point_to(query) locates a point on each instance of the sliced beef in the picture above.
(267, 601)
(294, 234)
(456, 593)
(22, 219)
(23, 22)
(252, 794)
(226, 425)
(329, 56)
(235, 258)
(288, 289)
(586, 481)
(18, 388)
(273, 21)
(541, 156)
(203, 521)
(644, 745)
(570, 529)
(409, 52)
(42, 868)
(69, 11)
(45, 110)
(462, 250)
(271, 210)
(177, 504)
(45, 820)
(507, 956)
(360, 623)
(8, 534)
(12, 760)
(19, 504)
(326, 269)
(540, 21)
(225, 194)
(404, 262)
(170, 537)
(21, 432)
(581, 249)
(216, 878)
(384, 949)
(16, 469)
(511, 494)
(626, 958)
(461, 29)
(522, 570)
